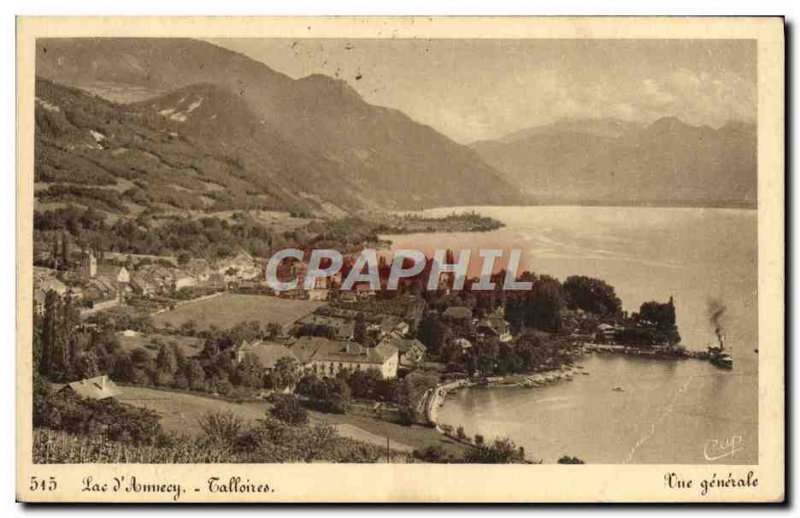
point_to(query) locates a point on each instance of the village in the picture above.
(166, 334)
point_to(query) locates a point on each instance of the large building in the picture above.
(329, 357)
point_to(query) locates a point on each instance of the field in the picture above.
(180, 413)
(229, 309)
(417, 437)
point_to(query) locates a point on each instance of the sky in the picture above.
(485, 89)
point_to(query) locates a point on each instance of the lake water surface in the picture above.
(670, 410)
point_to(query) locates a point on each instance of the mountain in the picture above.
(311, 141)
(608, 161)
(129, 158)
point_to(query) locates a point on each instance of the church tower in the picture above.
(89, 265)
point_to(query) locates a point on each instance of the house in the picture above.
(75, 292)
(411, 350)
(39, 297)
(341, 328)
(45, 280)
(607, 333)
(457, 314)
(332, 357)
(463, 343)
(144, 283)
(496, 326)
(114, 272)
(401, 329)
(363, 291)
(347, 296)
(89, 265)
(304, 348)
(321, 294)
(110, 283)
(268, 353)
(151, 279)
(242, 266)
(99, 387)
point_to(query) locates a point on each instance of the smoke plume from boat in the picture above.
(716, 313)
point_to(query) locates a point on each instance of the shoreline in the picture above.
(435, 398)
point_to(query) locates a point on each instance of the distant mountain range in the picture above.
(608, 161)
(183, 124)
(226, 122)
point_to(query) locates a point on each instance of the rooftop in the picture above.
(268, 353)
(457, 313)
(99, 387)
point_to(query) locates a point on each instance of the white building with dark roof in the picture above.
(329, 357)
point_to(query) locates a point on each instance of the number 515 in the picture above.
(42, 484)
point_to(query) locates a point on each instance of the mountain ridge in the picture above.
(667, 162)
(387, 159)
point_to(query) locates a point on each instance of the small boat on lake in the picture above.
(717, 354)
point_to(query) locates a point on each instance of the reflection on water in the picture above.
(669, 410)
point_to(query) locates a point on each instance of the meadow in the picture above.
(229, 309)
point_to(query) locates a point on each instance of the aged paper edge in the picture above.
(453, 483)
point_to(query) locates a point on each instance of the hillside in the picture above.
(606, 161)
(123, 159)
(311, 141)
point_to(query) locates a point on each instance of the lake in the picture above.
(669, 409)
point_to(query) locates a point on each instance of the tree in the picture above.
(166, 361)
(180, 358)
(433, 454)
(662, 316)
(433, 332)
(49, 333)
(285, 372)
(364, 384)
(220, 429)
(592, 295)
(189, 327)
(196, 375)
(360, 329)
(86, 365)
(543, 304)
(566, 459)
(122, 367)
(514, 311)
(287, 408)
(501, 451)
(325, 394)
(65, 251)
(273, 329)
(249, 371)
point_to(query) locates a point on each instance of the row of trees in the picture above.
(210, 237)
(61, 351)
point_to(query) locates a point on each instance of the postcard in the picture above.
(400, 260)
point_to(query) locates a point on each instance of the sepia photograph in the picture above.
(530, 244)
